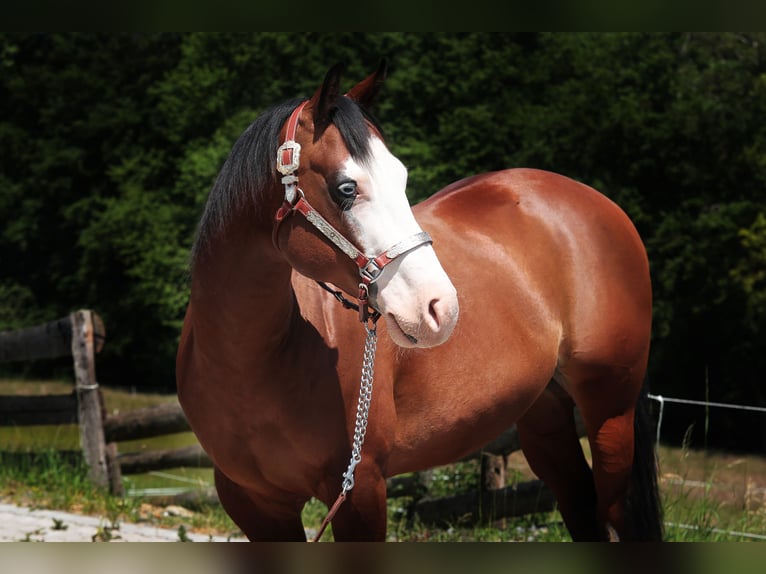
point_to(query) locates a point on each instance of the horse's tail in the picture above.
(644, 503)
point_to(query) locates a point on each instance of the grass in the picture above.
(707, 496)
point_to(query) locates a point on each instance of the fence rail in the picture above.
(145, 423)
(49, 341)
(44, 410)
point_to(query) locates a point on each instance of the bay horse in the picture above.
(539, 300)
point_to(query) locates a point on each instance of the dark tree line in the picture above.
(110, 143)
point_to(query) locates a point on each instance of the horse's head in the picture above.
(359, 231)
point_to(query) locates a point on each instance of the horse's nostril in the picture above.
(433, 314)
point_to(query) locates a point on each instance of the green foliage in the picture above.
(110, 143)
(17, 305)
(750, 271)
(133, 251)
(75, 117)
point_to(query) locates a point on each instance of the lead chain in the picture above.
(362, 406)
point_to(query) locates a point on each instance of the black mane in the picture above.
(250, 168)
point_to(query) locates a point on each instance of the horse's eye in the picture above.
(344, 194)
(347, 189)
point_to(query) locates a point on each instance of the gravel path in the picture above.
(18, 524)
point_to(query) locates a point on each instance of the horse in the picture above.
(506, 297)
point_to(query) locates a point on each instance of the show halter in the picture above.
(370, 270)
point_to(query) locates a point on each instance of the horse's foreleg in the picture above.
(363, 516)
(261, 518)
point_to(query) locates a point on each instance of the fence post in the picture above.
(493, 471)
(88, 401)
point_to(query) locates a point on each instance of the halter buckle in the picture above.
(371, 271)
(288, 157)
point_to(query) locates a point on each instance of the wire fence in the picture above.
(687, 483)
(662, 400)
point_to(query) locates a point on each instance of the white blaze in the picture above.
(413, 293)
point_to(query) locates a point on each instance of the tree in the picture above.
(109, 145)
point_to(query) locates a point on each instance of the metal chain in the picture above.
(362, 406)
(360, 426)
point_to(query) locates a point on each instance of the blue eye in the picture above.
(344, 194)
(347, 189)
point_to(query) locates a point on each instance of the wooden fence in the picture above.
(82, 334)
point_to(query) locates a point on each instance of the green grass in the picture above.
(706, 495)
(711, 496)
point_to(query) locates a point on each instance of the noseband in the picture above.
(370, 268)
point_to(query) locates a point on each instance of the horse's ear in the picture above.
(365, 92)
(324, 99)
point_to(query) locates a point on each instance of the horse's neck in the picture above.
(241, 294)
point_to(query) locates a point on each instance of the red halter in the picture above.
(370, 268)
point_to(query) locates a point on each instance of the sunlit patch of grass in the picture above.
(47, 479)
